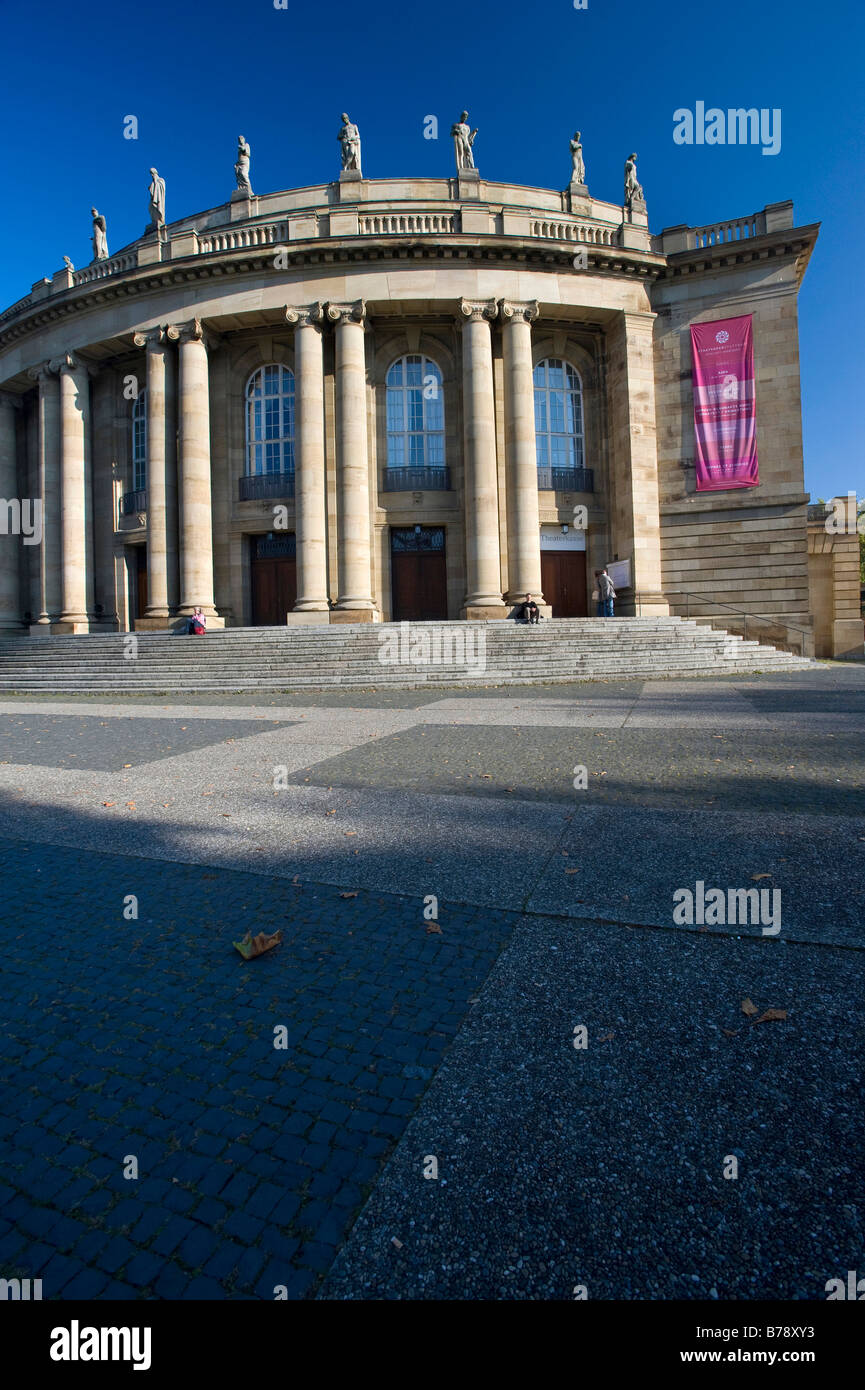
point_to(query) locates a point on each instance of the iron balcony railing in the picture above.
(566, 479)
(416, 479)
(132, 502)
(255, 486)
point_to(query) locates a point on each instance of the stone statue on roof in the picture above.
(464, 138)
(349, 141)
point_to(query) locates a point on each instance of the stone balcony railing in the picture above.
(384, 208)
(774, 217)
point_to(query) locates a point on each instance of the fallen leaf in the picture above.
(131, 805)
(349, 832)
(730, 1032)
(348, 895)
(127, 764)
(748, 1007)
(397, 1243)
(250, 946)
(572, 871)
(772, 1016)
(105, 803)
(755, 876)
(433, 927)
(606, 1037)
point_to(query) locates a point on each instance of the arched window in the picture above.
(415, 414)
(139, 441)
(270, 420)
(559, 432)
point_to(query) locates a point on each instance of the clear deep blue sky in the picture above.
(198, 72)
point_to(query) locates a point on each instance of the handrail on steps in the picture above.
(701, 599)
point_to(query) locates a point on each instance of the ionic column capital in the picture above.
(305, 315)
(150, 338)
(193, 331)
(519, 311)
(475, 310)
(43, 372)
(348, 313)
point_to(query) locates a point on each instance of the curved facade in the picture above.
(380, 399)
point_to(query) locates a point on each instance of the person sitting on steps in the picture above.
(530, 612)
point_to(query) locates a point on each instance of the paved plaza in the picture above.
(391, 1104)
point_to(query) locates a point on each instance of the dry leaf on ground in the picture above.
(250, 946)
(772, 1016)
(749, 1007)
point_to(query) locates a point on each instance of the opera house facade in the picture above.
(380, 399)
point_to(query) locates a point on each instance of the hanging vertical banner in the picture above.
(725, 406)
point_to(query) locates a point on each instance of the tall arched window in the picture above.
(415, 414)
(559, 431)
(139, 441)
(270, 420)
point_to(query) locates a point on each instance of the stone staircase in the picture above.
(352, 655)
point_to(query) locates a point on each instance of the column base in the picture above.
(354, 615)
(483, 612)
(73, 626)
(314, 617)
(646, 606)
(156, 623)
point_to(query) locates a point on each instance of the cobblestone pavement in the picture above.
(333, 818)
(152, 1039)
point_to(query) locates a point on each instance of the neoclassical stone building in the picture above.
(382, 399)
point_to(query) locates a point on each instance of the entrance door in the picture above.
(418, 573)
(140, 580)
(274, 578)
(563, 580)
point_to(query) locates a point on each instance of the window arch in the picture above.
(139, 441)
(270, 420)
(559, 431)
(415, 414)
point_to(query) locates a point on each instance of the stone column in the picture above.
(48, 471)
(154, 341)
(524, 523)
(196, 526)
(635, 529)
(11, 503)
(75, 506)
(352, 461)
(309, 465)
(103, 400)
(483, 551)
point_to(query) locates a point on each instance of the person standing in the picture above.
(607, 594)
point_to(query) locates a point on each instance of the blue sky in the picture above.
(196, 74)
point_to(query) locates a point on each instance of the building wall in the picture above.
(746, 548)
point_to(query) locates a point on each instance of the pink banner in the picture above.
(725, 407)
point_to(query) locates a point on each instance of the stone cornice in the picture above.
(305, 316)
(795, 242)
(509, 252)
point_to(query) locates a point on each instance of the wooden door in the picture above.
(418, 574)
(274, 579)
(140, 581)
(563, 580)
